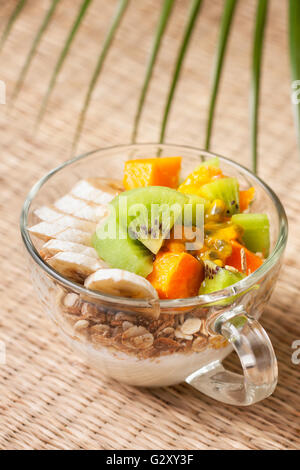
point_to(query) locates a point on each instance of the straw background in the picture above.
(48, 398)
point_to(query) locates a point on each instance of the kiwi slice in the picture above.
(226, 189)
(121, 251)
(149, 213)
(256, 231)
(211, 162)
(217, 278)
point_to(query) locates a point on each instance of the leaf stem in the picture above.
(105, 48)
(294, 43)
(193, 14)
(34, 47)
(11, 20)
(226, 21)
(82, 10)
(261, 15)
(162, 23)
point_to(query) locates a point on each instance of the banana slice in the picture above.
(46, 214)
(75, 266)
(46, 231)
(52, 247)
(67, 221)
(99, 195)
(113, 186)
(94, 214)
(49, 215)
(69, 205)
(81, 209)
(76, 236)
(125, 284)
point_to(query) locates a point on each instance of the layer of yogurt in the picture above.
(160, 371)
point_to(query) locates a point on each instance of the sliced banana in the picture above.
(69, 221)
(80, 209)
(47, 214)
(76, 236)
(69, 205)
(113, 186)
(52, 247)
(125, 284)
(75, 266)
(46, 231)
(99, 195)
(94, 214)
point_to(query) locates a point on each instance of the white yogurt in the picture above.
(155, 372)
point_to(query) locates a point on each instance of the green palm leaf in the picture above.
(194, 10)
(294, 39)
(162, 23)
(261, 15)
(107, 42)
(19, 7)
(226, 21)
(34, 47)
(82, 10)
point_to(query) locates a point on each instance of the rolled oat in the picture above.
(71, 302)
(191, 326)
(199, 343)
(81, 325)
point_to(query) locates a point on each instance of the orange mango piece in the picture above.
(175, 246)
(231, 232)
(176, 275)
(246, 197)
(252, 261)
(199, 177)
(152, 172)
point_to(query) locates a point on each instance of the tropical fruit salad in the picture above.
(153, 236)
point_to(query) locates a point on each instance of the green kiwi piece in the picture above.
(217, 278)
(226, 189)
(256, 231)
(149, 213)
(121, 251)
(211, 162)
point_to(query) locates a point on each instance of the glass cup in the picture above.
(151, 343)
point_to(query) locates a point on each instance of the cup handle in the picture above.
(257, 357)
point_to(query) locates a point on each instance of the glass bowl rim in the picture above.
(238, 288)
